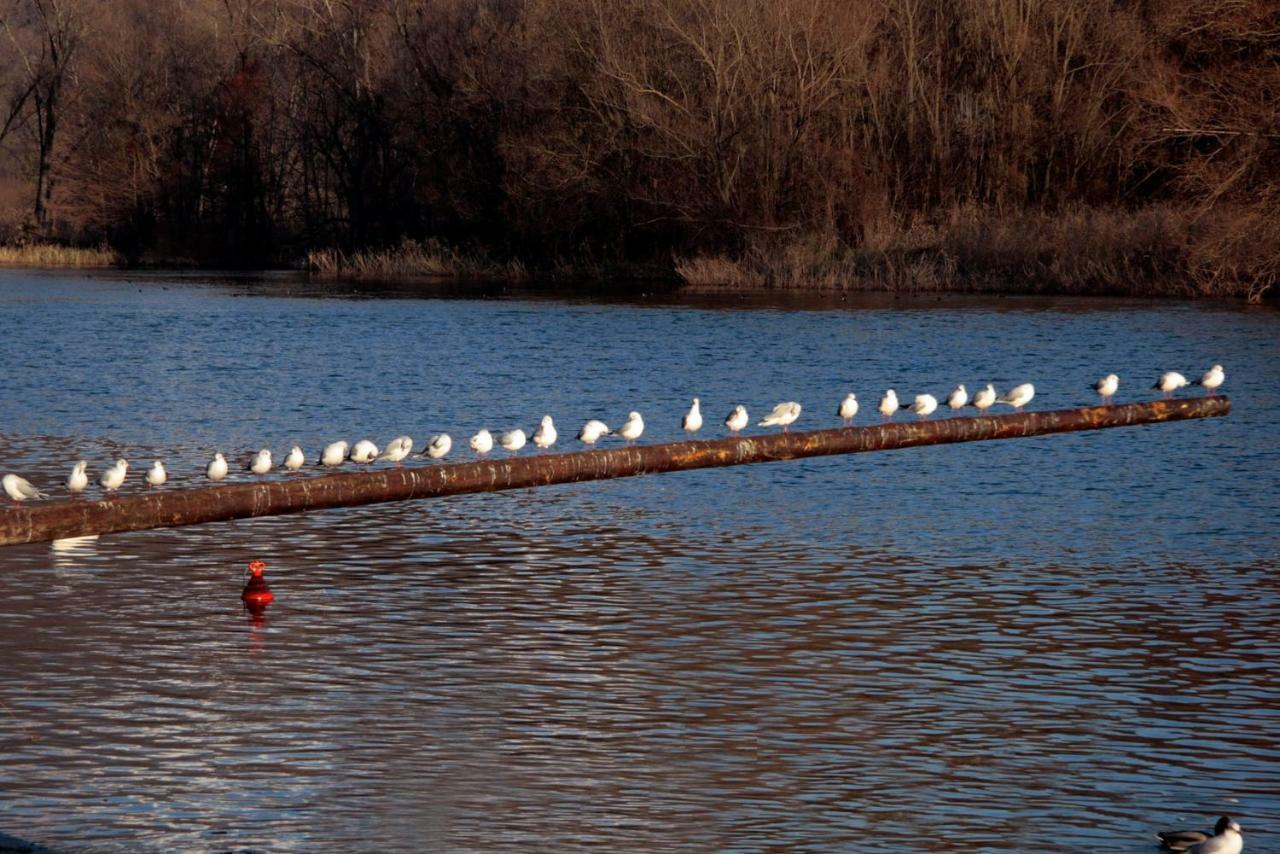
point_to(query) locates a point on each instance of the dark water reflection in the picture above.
(1054, 644)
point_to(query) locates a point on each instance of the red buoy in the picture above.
(257, 595)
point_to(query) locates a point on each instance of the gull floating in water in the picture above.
(984, 398)
(261, 462)
(1106, 387)
(482, 442)
(156, 475)
(1169, 382)
(1181, 840)
(397, 449)
(512, 440)
(295, 459)
(333, 454)
(592, 431)
(113, 477)
(784, 415)
(438, 447)
(20, 489)
(545, 436)
(77, 481)
(363, 451)
(888, 404)
(633, 428)
(958, 398)
(1018, 396)
(1213, 378)
(923, 405)
(217, 468)
(848, 408)
(738, 419)
(693, 418)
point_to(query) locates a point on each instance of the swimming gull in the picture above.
(1227, 839)
(1181, 840)
(784, 415)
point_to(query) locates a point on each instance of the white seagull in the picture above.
(77, 481)
(923, 405)
(438, 446)
(20, 489)
(633, 428)
(888, 404)
(333, 454)
(397, 449)
(1212, 379)
(984, 398)
(482, 442)
(261, 462)
(1106, 387)
(363, 451)
(958, 398)
(217, 468)
(295, 459)
(783, 414)
(738, 419)
(512, 440)
(1018, 396)
(693, 418)
(113, 477)
(848, 408)
(592, 431)
(156, 475)
(545, 436)
(1169, 382)
(1225, 839)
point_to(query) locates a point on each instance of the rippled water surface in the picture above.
(1061, 643)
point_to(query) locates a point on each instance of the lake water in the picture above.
(1061, 643)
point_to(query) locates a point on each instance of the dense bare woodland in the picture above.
(1066, 145)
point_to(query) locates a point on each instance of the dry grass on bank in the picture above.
(1161, 251)
(54, 255)
(412, 259)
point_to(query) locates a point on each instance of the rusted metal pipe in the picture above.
(51, 520)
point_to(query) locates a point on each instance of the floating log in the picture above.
(51, 520)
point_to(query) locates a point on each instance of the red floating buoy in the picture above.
(257, 595)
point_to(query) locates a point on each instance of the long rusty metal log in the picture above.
(35, 522)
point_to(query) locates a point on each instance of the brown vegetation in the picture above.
(1064, 145)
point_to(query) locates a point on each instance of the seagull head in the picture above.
(122, 464)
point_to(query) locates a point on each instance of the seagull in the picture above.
(1018, 396)
(1169, 382)
(592, 431)
(217, 468)
(364, 451)
(848, 408)
(958, 398)
(923, 405)
(693, 419)
(1211, 380)
(512, 440)
(437, 447)
(261, 462)
(156, 475)
(737, 420)
(633, 428)
(888, 404)
(113, 477)
(784, 414)
(984, 398)
(397, 449)
(1106, 387)
(20, 489)
(1181, 840)
(295, 459)
(77, 481)
(333, 454)
(545, 436)
(482, 442)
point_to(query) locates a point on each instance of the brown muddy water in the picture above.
(1062, 643)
